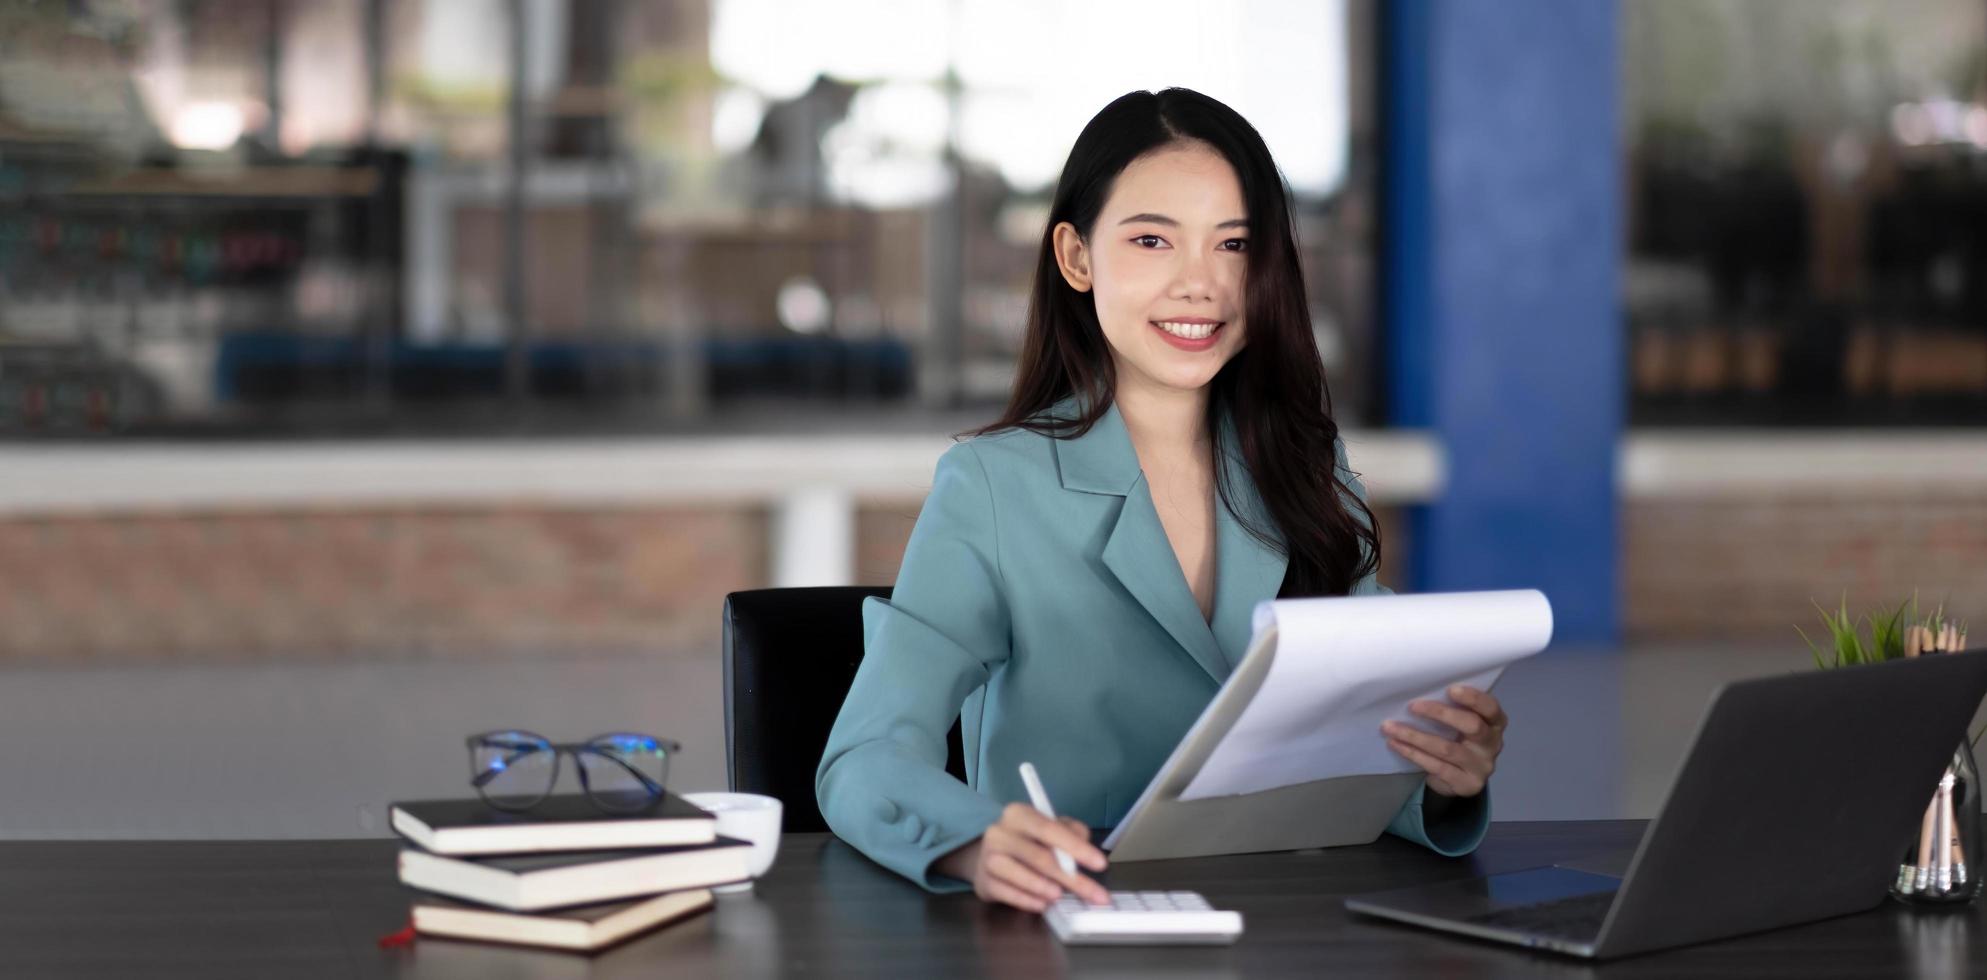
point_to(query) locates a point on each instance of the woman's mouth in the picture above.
(1192, 335)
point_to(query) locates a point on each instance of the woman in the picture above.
(1082, 575)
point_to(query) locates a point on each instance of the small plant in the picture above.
(1894, 632)
(1890, 633)
(1847, 647)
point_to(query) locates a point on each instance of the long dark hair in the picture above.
(1273, 390)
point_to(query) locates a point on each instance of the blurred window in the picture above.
(581, 215)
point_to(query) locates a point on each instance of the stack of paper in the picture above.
(1344, 665)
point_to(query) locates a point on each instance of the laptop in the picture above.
(1796, 801)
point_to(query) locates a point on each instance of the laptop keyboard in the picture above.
(1579, 917)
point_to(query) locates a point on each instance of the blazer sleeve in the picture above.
(882, 783)
(1457, 832)
(1461, 827)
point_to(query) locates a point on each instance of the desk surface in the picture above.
(306, 909)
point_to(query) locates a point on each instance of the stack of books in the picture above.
(564, 874)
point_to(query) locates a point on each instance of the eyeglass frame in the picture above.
(483, 777)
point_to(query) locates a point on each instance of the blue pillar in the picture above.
(1501, 287)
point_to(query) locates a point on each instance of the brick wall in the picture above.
(881, 533)
(392, 583)
(509, 581)
(1747, 566)
(372, 583)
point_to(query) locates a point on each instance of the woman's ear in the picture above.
(1072, 257)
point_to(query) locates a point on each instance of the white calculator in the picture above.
(1143, 919)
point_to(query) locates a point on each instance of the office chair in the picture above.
(789, 658)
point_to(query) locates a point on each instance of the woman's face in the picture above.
(1166, 262)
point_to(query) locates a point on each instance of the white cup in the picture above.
(748, 817)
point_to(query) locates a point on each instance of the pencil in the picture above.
(1945, 798)
(1960, 874)
(1926, 829)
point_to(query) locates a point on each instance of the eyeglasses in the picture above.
(621, 772)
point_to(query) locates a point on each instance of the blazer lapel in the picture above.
(1102, 461)
(1139, 554)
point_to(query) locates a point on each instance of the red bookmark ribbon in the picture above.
(404, 937)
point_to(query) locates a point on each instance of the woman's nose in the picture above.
(1194, 279)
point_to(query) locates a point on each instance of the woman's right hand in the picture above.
(1014, 862)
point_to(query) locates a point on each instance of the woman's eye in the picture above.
(1149, 241)
(1236, 245)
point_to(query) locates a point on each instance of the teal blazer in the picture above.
(1040, 602)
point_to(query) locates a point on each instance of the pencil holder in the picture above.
(1941, 868)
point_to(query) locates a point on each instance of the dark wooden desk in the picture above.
(305, 909)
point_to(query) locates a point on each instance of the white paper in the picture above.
(1344, 665)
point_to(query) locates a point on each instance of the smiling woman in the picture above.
(1169, 249)
(1169, 421)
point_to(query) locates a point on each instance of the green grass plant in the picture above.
(1849, 645)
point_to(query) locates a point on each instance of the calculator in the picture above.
(1143, 919)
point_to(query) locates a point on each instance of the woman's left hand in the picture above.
(1459, 766)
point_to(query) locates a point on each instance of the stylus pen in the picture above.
(1040, 797)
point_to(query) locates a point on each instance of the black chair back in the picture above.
(789, 658)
